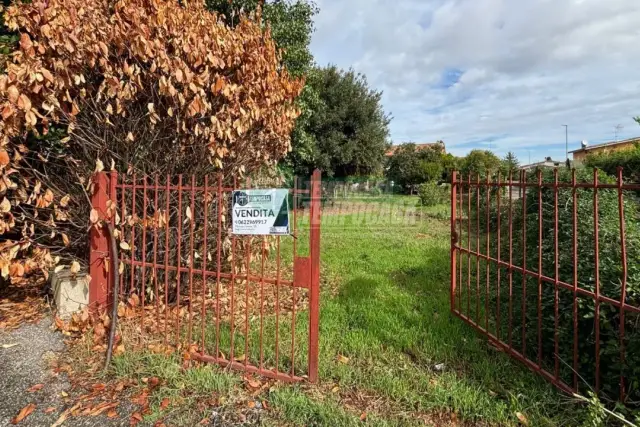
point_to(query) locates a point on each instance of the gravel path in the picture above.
(24, 362)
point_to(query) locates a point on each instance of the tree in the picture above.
(155, 86)
(479, 163)
(410, 166)
(347, 132)
(291, 23)
(509, 164)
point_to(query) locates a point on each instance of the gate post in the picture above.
(98, 244)
(454, 237)
(314, 290)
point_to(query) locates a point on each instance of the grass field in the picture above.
(390, 351)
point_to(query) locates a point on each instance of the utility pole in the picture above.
(566, 141)
(617, 129)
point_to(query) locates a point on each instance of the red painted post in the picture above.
(454, 237)
(314, 291)
(99, 246)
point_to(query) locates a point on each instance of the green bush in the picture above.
(431, 194)
(628, 160)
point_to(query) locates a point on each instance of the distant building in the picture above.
(548, 162)
(607, 147)
(419, 147)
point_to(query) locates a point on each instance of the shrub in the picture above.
(148, 86)
(431, 194)
(628, 160)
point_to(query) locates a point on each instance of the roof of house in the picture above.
(392, 150)
(607, 144)
(548, 161)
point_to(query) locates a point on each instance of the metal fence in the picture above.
(247, 302)
(545, 265)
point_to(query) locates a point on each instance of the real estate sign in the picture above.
(260, 211)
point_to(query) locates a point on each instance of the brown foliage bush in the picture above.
(145, 85)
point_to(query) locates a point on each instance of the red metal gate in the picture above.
(247, 302)
(540, 268)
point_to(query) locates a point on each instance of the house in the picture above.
(607, 147)
(392, 150)
(548, 162)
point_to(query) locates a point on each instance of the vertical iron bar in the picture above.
(556, 295)
(596, 221)
(540, 214)
(191, 257)
(478, 249)
(487, 262)
(179, 260)
(233, 283)
(459, 243)
(205, 254)
(523, 185)
(246, 292)
(293, 288)
(575, 277)
(155, 248)
(454, 187)
(510, 259)
(277, 303)
(133, 232)
(623, 290)
(262, 301)
(469, 246)
(498, 248)
(143, 289)
(167, 231)
(218, 267)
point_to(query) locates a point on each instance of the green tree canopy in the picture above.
(479, 163)
(509, 164)
(291, 24)
(346, 132)
(410, 166)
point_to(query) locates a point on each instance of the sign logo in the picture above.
(241, 198)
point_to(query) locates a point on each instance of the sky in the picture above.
(493, 74)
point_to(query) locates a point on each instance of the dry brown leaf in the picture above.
(4, 157)
(124, 246)
(523, 420)
(343, 359)
(112, 414)
(35, 388)
(75, 267)
(49, 410)
(164, 404)
(136, 417)
(24, 413)
(363, 416)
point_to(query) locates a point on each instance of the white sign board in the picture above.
(260, 211)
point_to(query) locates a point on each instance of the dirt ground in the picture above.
(26, 356)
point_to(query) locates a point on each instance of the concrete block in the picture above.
(70, 292)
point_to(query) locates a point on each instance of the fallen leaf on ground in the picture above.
(343, 359)
(136, 417)
(363, 416)
(63, 417)
(165, 403)
(35, 388)
(9, 345)
(24, 413)
(522, 418)
(49, 410)
(112, 414)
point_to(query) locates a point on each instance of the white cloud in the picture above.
(525, 68)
